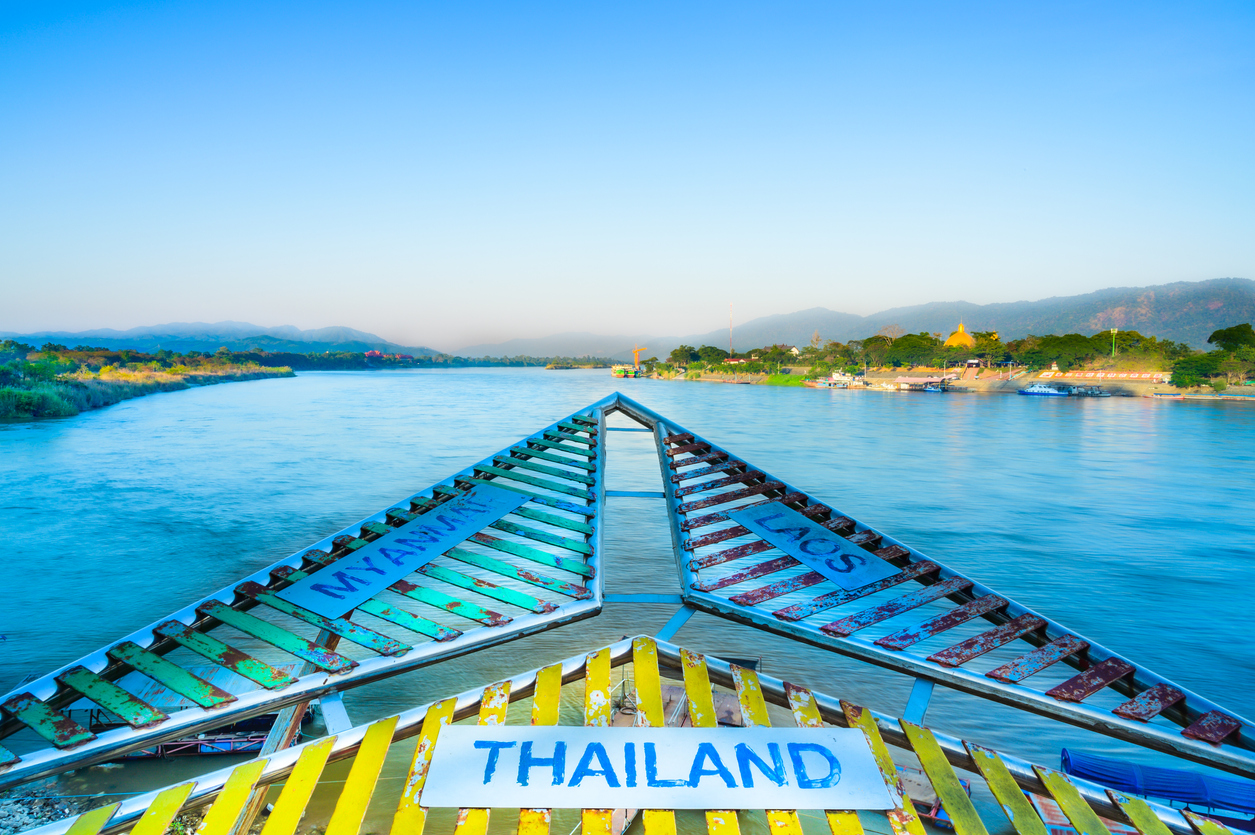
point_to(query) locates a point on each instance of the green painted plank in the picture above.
(554, 445)
(1014, 804)
(588, 466)
(556, 521)
(504, 568)
(135, 712)
(450, 604)
(170, 675)
(541, 468)
(376, 528)
(278, 637)
(1139, 814)
(547, 501)
(564, 436)
(387, 612)
(225, 655)
(542, 536)
(52, 725)
(1204, 825)
(7, 757)
(565, 424)
(486, 588)
(527, 552)
(945, 782)
(1083, 818)
(515, 475)
(89, 823)
(343, 627)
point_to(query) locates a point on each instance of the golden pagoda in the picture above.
(960, 339)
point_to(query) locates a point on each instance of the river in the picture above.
(1129, 520)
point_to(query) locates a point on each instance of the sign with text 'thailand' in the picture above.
(350, 581)
(556, 767)
(813, 545)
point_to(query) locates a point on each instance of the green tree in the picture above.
(711, 354)
(1231, 339)
(683, 355)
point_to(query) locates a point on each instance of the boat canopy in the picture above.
(1167, 783)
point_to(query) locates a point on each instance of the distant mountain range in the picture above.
(238, 336)
(1187, 311)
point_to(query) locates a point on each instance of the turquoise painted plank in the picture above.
(515, 475)
(450, 604)
(486, 588)
(535, 555)
(52, 725)
(554, 445)
(541, 468)
(225, 655)
(556, 521)
(504, 568)
(547, 501)
(278, 637)
(343, 627)
(170, 675)
(542, 536)
(565, 436)
(135, 712)
(577, 427)
(588, 466)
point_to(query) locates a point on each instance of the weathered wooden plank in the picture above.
(1204, 825)
(575, 566)
(1011, 799)
(157, 817)
(345, 628)
(1039, 659)
(298, 789)
(547, 501)
(578, 427)
(734, 531)
(450, 604)
(752, 475)
(587, 466)
(1083, 685)
(225, 811)
(806, 715)
(52, 725)
(134, 711)
(843, 596)
(1149, 703)
(567, 436)
(302, 648)
(597, 712)
(523, 478)
(731, 496)
(795, 500)
(1081, 816)
(699, 446)
(545, 711)
(676, 463)
(543, 536)
(492, 711)
(749, 693)
(507, 461)
(678, 438)
(751, 573)
(1212, 727)
(560, 447)
(904, 638)
(225, 655)
(486, 588)
(1139, 814)
(555, 521)
(701, 712)
(904, 820)
(987, 641)
(778, 589)
(899, 605)
(945, 782)
(411, 815)
(384, 611)
(505, 569)
(359, 786)
(91, 822)
(714, 469)
(649, 708)
(170, 675)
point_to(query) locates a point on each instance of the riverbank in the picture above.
(81, 391)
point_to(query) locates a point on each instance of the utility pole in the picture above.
(1113, 343)
(729, 330)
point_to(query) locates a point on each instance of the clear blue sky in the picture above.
(445, 174)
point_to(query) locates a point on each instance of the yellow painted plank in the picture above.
(701, 703)
(945, 782)
(89, 823)
(411, 816)
(904, 819)
(597, 821)
(492, 709)
(534, 821)
(1083, 818)
(749, 692)
(545, 706)
(225, 811)
(298, 788)
(648, 682)
(1205, 825)
(358, 789)
(806, 715)
(156, 820)
(1010, 798)
(649, 711)
(597, 710)
(1139, 814)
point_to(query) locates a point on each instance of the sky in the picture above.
(446, 174)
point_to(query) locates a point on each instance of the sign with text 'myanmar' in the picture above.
(350, 581)
(535, 767)
(813, 545)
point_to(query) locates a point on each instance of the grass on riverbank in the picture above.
(83, 390)
(783, 380)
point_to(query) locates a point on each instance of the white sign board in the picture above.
(352, 580)
(813, 545)
(558, 767)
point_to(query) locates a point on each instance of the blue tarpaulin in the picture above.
(1168, 783)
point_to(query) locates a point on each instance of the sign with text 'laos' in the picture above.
(556, 767)
(813, 545)
(350, 581)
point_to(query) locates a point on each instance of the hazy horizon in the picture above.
(454, 176)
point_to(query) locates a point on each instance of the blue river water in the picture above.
(1129, 520)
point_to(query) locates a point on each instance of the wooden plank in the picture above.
(1082, 817)
(586, 466)
(597, 711)
(730, 496)
(1212, 727)
(649, 709)
(225, 811)
(135, 712)
(543, 536)
(452, 605)
(224, 655)
(505, 569)
(701, 710)
(527, 552)
(170, 675)
(492, 709)
(515, 475)
(345, 628)
(298, 789)
(806, 715)
(1011, 799)
(578, 478)
(555, 521)
(1139, 814)
(157, 817)
(52, 725)
(843, 596)
(749, 693)
(904, 819)
(411, 815)
(1204, 825)
(359, 786)
(762, 569)
(1149, 703)
(714, 484)
(897, 606)
(796, 500)
(676, 463)
(904, 638)
(987, 641)
(557, 446)
(1080, 687)
(699, 446)
(715, 469)
(486, 588)
(91, 822)
(758, 546)
(1039, 659)
(945, 782)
